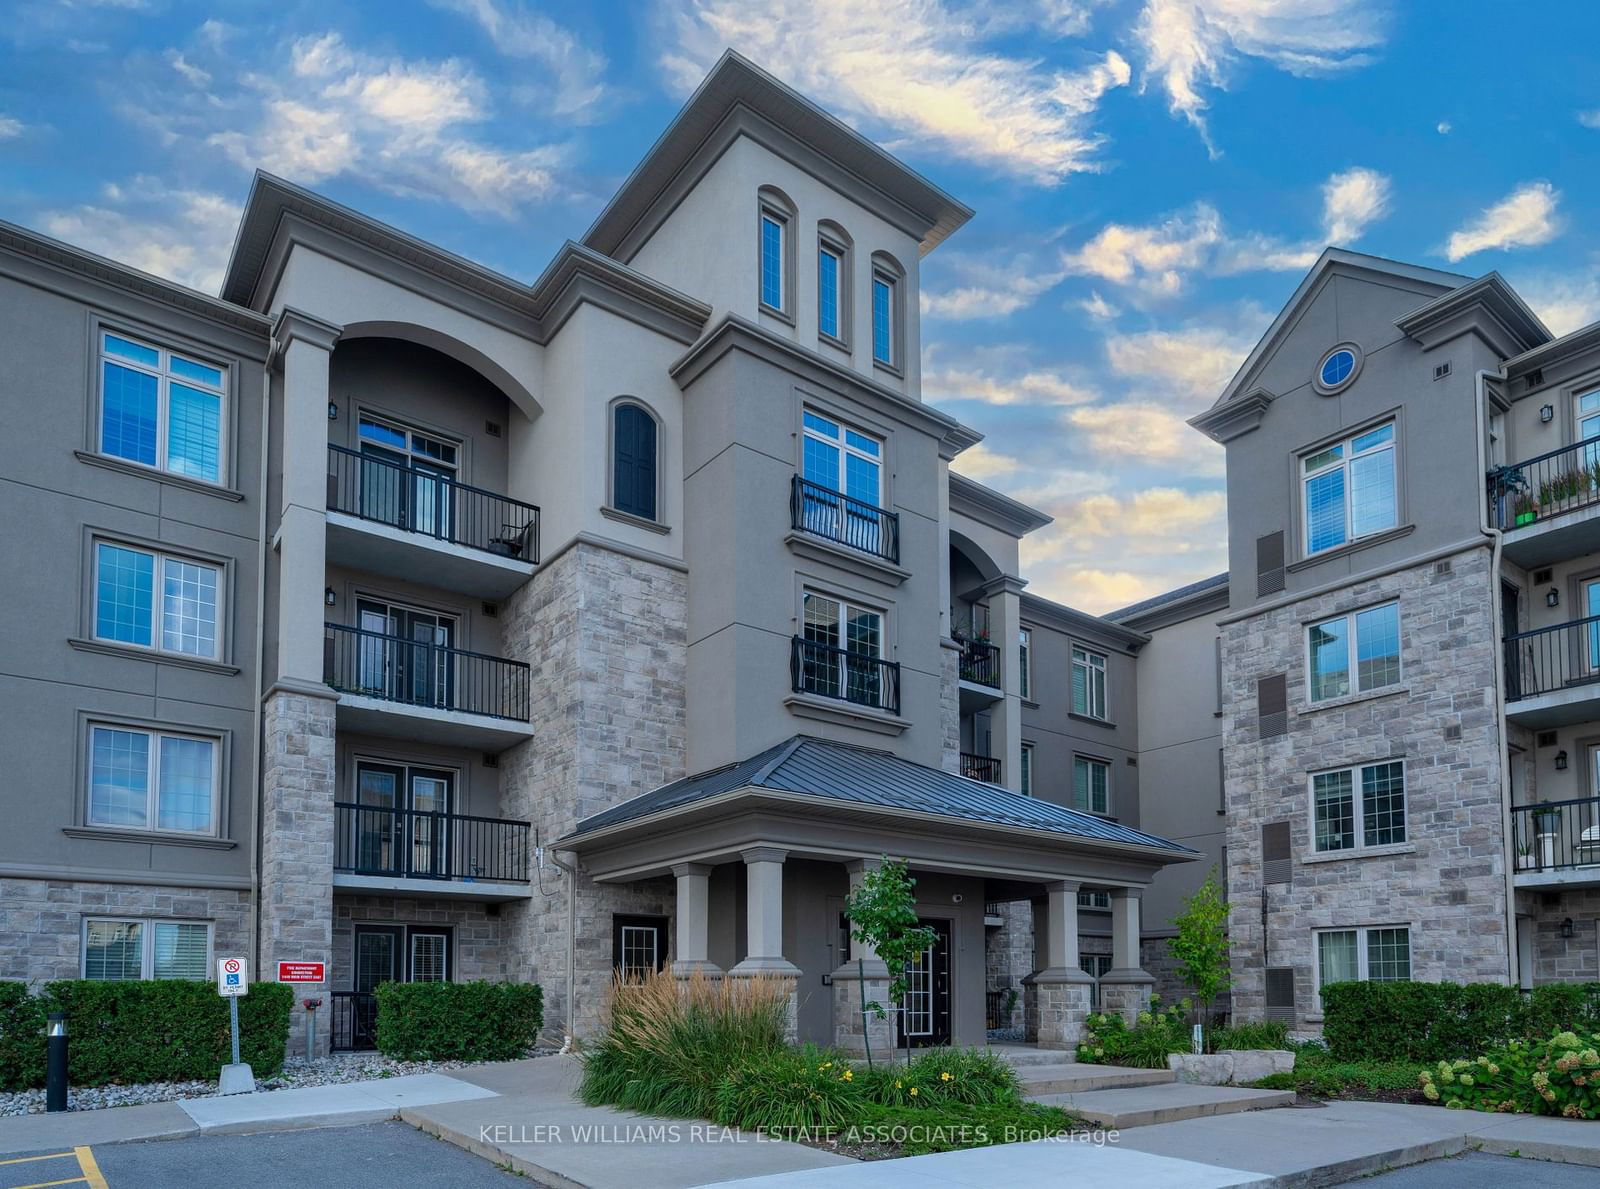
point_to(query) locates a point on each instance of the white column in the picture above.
(304, 344)
(1005, 716)
(763, 866)
(694, 920)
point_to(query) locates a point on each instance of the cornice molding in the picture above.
(999, 511)
(1235, 418)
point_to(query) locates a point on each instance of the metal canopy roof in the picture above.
(870, 778)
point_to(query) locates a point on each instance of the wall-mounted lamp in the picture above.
(1561, 761)
(333, 412)
(328, 597)
(1566, 927)
(1552, 597)
(1547, 413)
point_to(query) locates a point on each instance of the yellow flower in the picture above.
(945, 1076)
(825, 1065)
(897, 1084)
(848, 1075)
(913, 1091)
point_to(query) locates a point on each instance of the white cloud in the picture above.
(1154, 258)
(984, 465)
(9, 127)
(578, 70)
(1148, 431)
(1098, 307)
(915, 67)
(1564, 302)
(183, 235)
(1189, 45)
(1190, 364)
(988, 290)
(1029, 387)
(1590, 118)
(1525, 217)
(403, 125)
(1443, 127)
(1350, 201)
(191, 74)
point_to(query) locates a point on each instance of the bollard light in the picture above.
(55, 1080)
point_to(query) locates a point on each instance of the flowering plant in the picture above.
(1558, 1076)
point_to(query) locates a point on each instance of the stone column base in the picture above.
(1126, 993)
(852, 1031)
(1055, 1008)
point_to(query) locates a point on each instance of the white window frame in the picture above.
(845, 449)
(1358, 807)
(1100, 901)
(1025, 664)
(1347, 458)
(1361, 932)
(1088, 806)
(1085, 657)
(772, 212)
(1352, 653)
(147, 942)
(1025, 771)
(152, 778)
(846, 605)
(163, 375)
(157, 599)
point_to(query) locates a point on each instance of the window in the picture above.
(1094, 900)
(830, 290)
(1369, 640)
(152, 780)
(1359, 807)
(1088, 683)
(1367, 955)
(774, 257)
(633, 461)
(1337, 369)
(127, 610)
(1025, 771)
(1095, 965)
(1024, 665)
(840, 650)
(884, 306)
(1349, 490)
(842, 459)
(638, 946)
(161, 409)
(408, 478)
(133, 949)
(1091, 785)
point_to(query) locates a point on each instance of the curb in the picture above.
(485, 1151)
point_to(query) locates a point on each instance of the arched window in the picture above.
(775, 251)
(633, 460)
(888, 311)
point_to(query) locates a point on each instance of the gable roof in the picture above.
(844, 772)
(736, 82)
(1170, 598)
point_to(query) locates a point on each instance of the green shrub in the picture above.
(476, 1021)
(22, 1052)
(1316, 1075)
(1250, 1034)
(787, 1090)
(165, 1030)
(1555, 1076)
(1440, 1021)
(918, 1131)
(1162, 1030)
(1560, 1007)
(944, 1078)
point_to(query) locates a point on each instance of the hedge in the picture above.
(166, 1030)
(478, 1021)
(1407, 1021)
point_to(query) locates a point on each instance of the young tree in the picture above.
(883, 915)
(1201, 946)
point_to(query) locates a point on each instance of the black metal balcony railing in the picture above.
(417, 844)
(1552, 658)
(1556, 835)
(977, 767)
(823, 512)
(816, 668)
(980, 663)
(432, 504)
(1548, 485)
(353, 1022)
(415, 673)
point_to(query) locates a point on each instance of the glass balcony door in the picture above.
(407, 478)
(414, 664)
(403, 826)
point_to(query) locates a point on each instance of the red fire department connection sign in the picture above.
(302, 972)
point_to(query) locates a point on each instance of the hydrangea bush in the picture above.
(1558, 1076)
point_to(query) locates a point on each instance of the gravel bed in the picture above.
(296, 1073)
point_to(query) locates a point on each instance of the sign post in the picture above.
(233, 980)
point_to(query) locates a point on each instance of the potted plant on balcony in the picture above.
(1524, 509)
(1524, 856)
(1547, 824)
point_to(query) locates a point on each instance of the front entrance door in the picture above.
(927, 1002)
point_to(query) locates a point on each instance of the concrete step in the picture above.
(1140, 1106)
(1020, 1056)
(1077, 1077)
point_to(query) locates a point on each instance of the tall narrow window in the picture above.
(1088, 683)
(633, 461)
(774, 231)
(1091, 785)
(1348, 490)
(161, 409)
(883, 311)
(830, 306)
(1025, 772)
(1025, 664)
(178, 613)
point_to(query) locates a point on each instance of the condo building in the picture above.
(387, 612)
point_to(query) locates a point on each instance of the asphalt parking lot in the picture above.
(1474, 1170)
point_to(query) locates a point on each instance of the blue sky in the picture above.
(1152, 178)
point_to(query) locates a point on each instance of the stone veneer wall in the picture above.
(950, 708)
(1558, 959)
(41, 920)
(297, 793)
(605, 635)
(1447, 882)
(1008, 954)
(477, 951)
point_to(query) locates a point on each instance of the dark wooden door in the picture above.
(927, 1003)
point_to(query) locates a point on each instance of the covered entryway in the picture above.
(764, 853)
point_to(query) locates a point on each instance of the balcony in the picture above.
(1553, 674)
(1547, 506)
(408, 522)
(984, 768)
(1557, 843)
(824, 671)
(431, 693)
(980, 675)
(380, 848)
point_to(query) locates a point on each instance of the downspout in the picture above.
(1497, 539)
(257, 818)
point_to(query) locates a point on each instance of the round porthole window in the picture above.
(1338, 367)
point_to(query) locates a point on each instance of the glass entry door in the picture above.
(407, 478)
(403, 825)
(412, 662)
(927, 1000)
